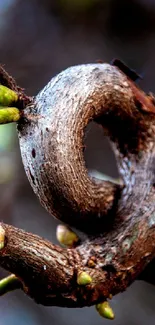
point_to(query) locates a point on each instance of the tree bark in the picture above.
(119, 220)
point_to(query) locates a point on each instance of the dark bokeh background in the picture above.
(37, 40)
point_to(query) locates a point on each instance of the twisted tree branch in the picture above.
(56, 122)
(119, 219)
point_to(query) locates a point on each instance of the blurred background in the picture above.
(38, 39)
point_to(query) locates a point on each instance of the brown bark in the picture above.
(119, 220)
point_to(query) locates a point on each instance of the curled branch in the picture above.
(119, 220)
(56, 122)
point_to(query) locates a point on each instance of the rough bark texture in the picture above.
(51, 144)
(119, 219)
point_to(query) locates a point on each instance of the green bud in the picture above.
(7, 96)
(9, 115)
(9, 283)
(105, 310)
(2, 237)
(66, 236)
(84, 278)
